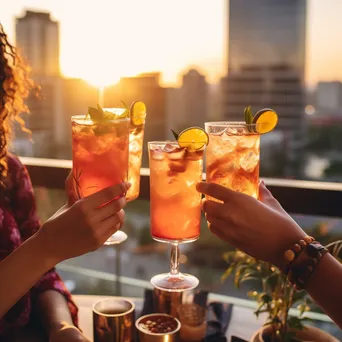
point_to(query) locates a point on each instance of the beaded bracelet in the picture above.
(302, 261)
(291, 254)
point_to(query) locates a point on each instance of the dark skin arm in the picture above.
(265, 231)
(324, 286)
(53, 310)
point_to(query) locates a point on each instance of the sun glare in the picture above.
(101, 79)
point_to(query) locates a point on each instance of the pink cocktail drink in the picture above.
(100, 153)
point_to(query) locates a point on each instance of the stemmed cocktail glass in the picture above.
(175, 206)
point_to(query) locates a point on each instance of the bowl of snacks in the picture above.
(158, 327)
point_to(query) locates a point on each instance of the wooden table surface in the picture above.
(243, 322)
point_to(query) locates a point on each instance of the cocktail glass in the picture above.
(100, 157)
(232, 156)
(136, 137)
(175, 206)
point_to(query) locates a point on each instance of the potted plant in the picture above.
(275, 297)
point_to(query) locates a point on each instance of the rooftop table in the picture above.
(243, 322)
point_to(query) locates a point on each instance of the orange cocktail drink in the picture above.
(175, 202)
(232, 156)
(99, 153)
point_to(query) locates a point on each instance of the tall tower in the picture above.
(37, 36)
(195, 95)
(266, 59)
(266, 68)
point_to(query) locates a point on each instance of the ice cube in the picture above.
(247, 141)
(249, 161)
(218, 131)
(168, 148)
(177, 166)
(177, 153)
(157, 154)
(134, 146)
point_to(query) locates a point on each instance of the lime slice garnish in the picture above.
(138, 113)
(193, 138)
(265, 120)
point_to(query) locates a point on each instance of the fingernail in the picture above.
(127, 185)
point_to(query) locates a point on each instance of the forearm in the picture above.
(324, 286)
(21, 270)
(53, 311)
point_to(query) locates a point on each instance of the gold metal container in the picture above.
(113, 320)
(147, 336)
(167, 302)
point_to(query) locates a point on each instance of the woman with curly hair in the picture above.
(29, 250)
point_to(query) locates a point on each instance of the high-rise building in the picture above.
(267, 32)
(266, 60)
(37, 36)
(266, 68)
(329, 98)
(195, 97)
(144, 87)
(188, 105)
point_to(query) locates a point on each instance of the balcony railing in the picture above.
(297, 197)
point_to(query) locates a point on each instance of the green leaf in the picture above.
(295, 323)
(174, 134)
(227, 273)
(265, 298)
(124, 104)
(99, 109)
(94, 114)
(248, 115)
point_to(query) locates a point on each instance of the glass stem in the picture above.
(174, 261)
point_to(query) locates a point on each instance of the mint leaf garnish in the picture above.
(174, 134)
(124, 104)
(248, 115)
(95, 114)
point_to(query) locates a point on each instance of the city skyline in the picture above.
(173, 54)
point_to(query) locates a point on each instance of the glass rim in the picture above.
(160, 142)
(99, 313)
(83, 118)
(231, 124)
(172, 142)
(112, 110)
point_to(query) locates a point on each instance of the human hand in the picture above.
(84, 226)
(67, 333)
(262, 228)
(70, 189)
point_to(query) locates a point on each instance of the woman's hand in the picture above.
(262, 228)
(85, 225)
(67, 333)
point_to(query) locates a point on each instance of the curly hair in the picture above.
(15, 86)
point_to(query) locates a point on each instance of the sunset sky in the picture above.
(104, 39)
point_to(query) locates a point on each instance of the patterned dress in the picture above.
(18, 222)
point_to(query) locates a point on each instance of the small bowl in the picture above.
(145, 335)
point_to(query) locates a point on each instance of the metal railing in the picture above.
(296, 196)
